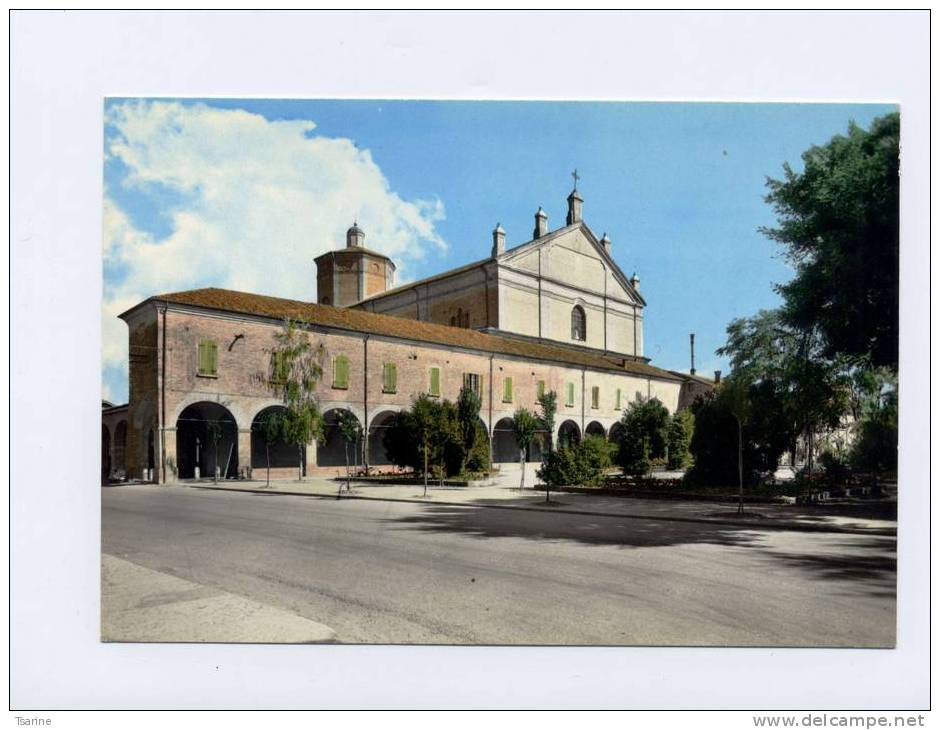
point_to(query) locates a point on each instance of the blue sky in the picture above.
(244, 193)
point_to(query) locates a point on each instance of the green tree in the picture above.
(468, 417)
(735, 393)
(271, 429)
(548, 408)
(720, 457)
(875, 449)
(839, 221)
(400, 440)
(814, 390)
(425, 419)
(295, 369)
(524, 427)
(351, 433)
(447, 445)
(678, 437)
(644, 436)
(214, 431)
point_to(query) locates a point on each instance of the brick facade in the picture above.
(161, 391)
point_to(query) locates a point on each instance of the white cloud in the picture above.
(261, 200)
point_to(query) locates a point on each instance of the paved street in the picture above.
(393, 572)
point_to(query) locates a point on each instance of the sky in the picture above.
(243, 194)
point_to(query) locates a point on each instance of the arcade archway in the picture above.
(206, 437)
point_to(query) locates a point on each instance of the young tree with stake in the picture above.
(524, 427)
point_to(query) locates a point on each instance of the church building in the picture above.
(553, 313)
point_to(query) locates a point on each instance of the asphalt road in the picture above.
(386, 572)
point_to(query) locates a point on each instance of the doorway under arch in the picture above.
(332, 450)
(377, 429)
(207, 437)
(282, 453)
(569, 434)
(594, 428)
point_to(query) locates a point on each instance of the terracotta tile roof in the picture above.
(356, 320)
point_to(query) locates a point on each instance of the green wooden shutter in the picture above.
(507, 390)
(569, 399)
(390, 378)
(540, 389)
(341, 372)
(435, 384)
(208, 358)
(618, 399)
(595, 396)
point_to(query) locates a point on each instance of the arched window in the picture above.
(578, 324)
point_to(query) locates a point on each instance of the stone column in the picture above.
(244, 451)
(169, 474)
(311, 457)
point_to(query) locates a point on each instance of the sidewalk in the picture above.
(503, 493)
(139, 604)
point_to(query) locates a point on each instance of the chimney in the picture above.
(355, 236)
(605, 240)
(635, 281)
(541, 223)
(717, 377)
(499, 241)
(692, 350)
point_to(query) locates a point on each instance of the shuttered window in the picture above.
(434, 382)
(472, 381)
(569, 394)
(595, 396)
(507, 390)
(619, 406)
(389, 378)
(208, 358)
(341, 372)
(539, 389)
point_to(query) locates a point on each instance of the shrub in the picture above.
(478, 460)
(644, 436)
(679, 438)
(835, 468)
(578, 465)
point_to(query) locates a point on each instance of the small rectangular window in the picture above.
(472, 381)
(434, 382)
(595, 396)
(341, 372)
(618, 399)
(507, 390)
(390, 378)
(208, 358)
(569, 394)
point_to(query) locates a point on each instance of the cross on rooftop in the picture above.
(576, 177)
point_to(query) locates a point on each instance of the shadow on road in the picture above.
(481, 521)
(868, 559)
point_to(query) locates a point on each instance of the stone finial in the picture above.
(635, 281)
(575, 203)
(355, 236)
(541, 223)
(499, 241)
(605, 242)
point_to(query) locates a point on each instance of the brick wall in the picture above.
(240, 384)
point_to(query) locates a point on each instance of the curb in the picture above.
(788, 526)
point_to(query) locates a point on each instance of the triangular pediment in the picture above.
(574, 256)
